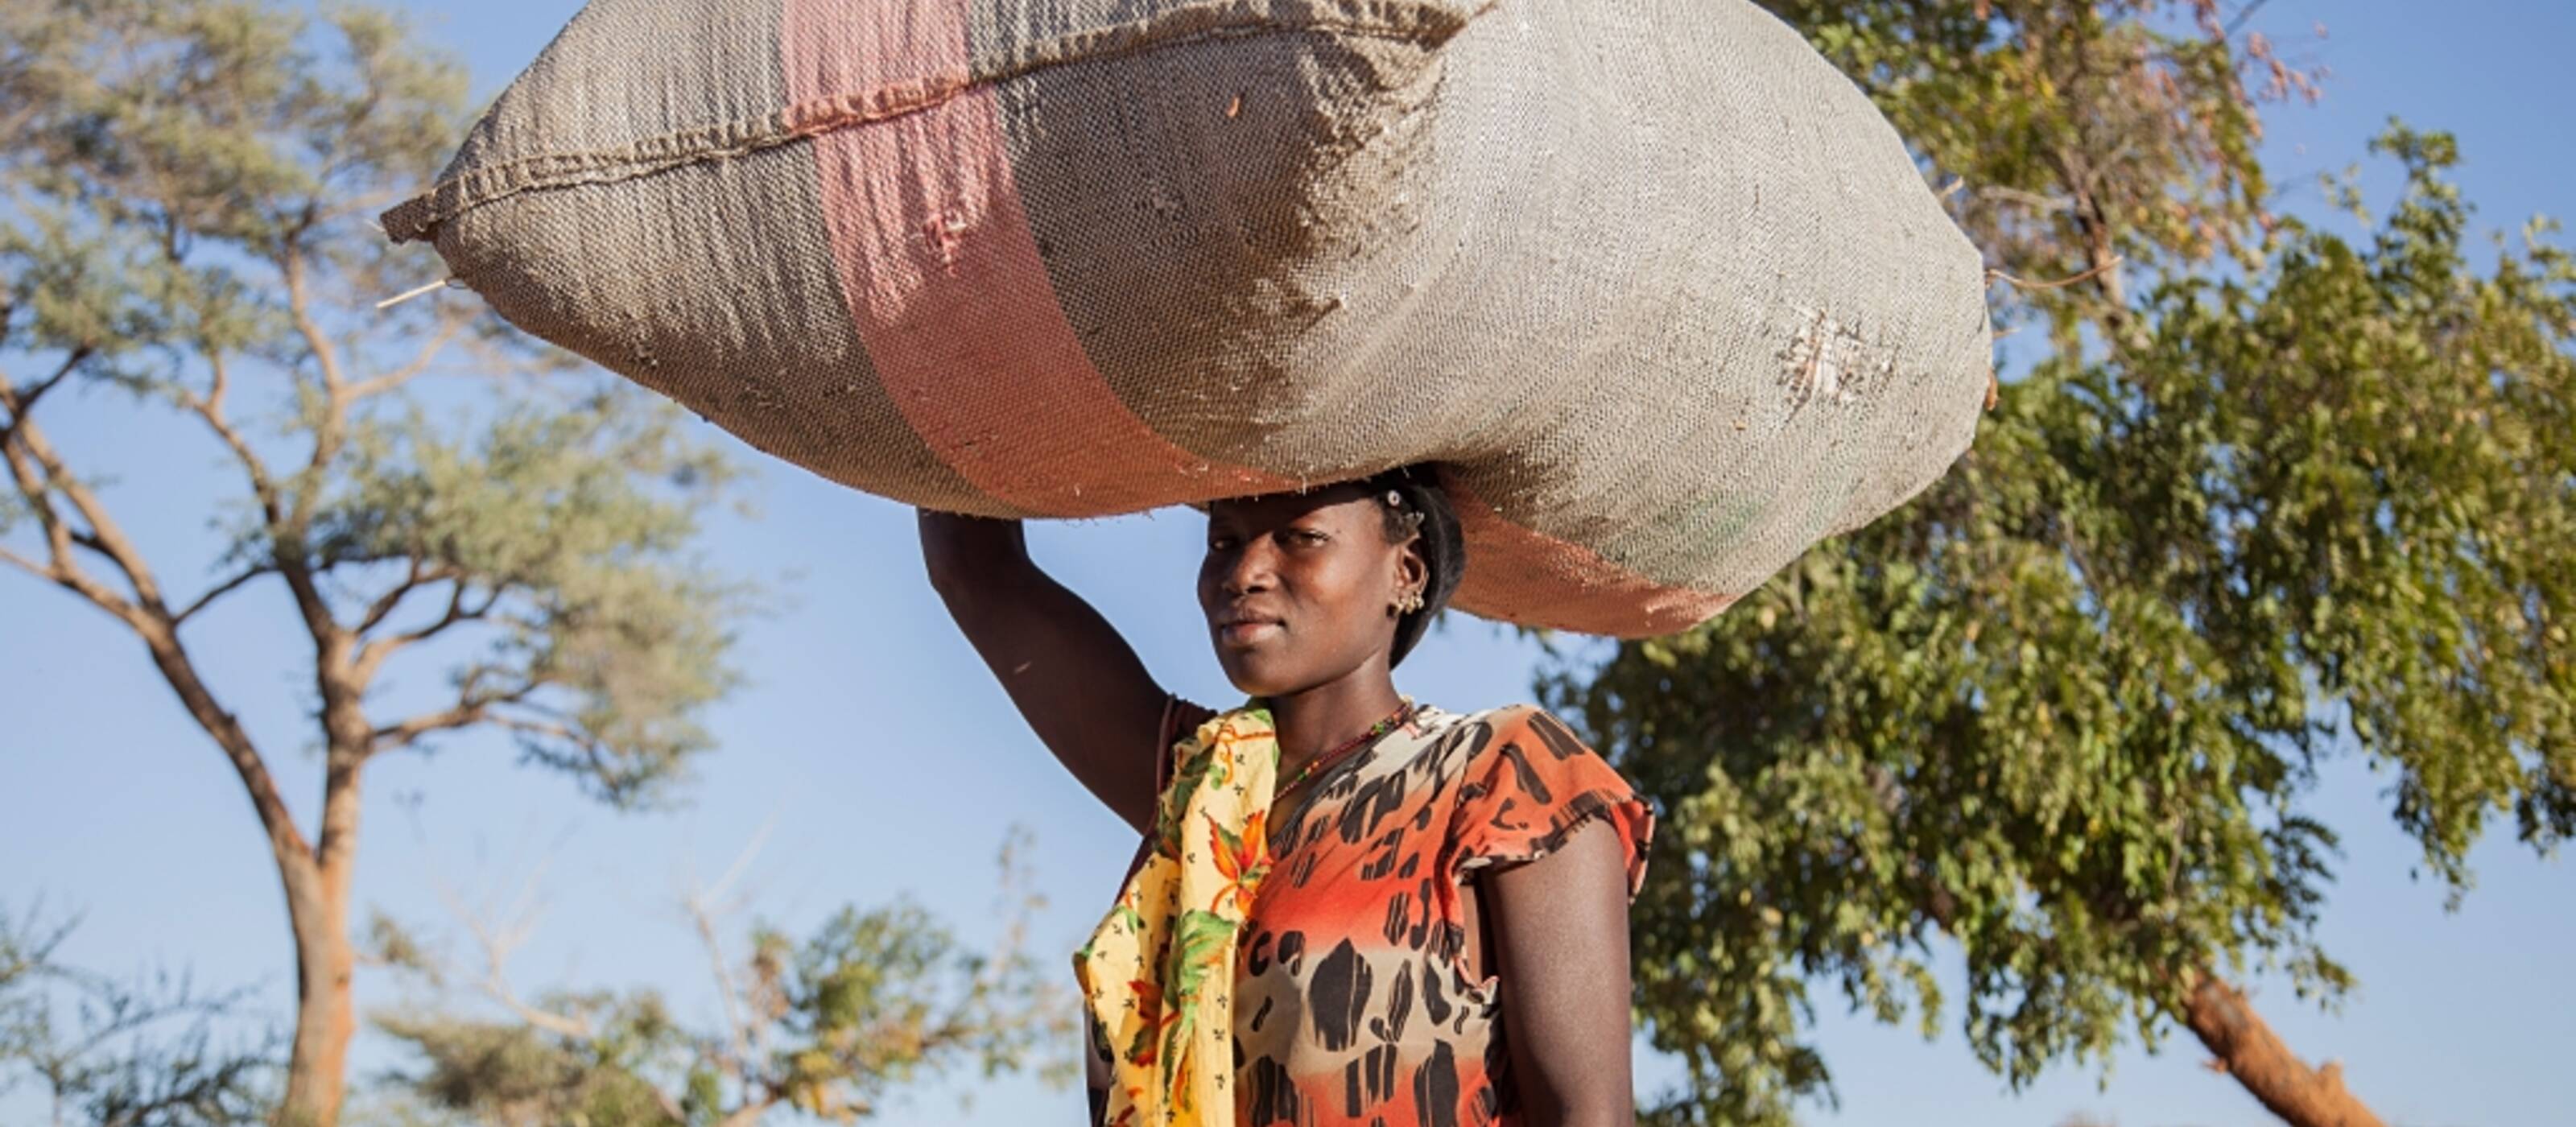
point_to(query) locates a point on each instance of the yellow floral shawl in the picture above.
(1158, 973)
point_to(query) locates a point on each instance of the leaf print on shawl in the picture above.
(1242, 859)
(1203, 945)
(1157, 1018)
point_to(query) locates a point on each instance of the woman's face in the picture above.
(1297, 588)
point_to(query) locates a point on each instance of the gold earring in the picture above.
(1408, 602)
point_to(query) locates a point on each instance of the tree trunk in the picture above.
(2247, 1049)
(325, 959)
(314, 878)
(317, 1070)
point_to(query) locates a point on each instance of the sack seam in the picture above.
(1207, 21)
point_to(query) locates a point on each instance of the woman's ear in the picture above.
(1412, 572)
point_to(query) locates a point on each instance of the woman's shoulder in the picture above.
(1477, 735)
(1521, 718)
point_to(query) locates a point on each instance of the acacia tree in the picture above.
(184, 193)
(831, 1026)
(2270, 496)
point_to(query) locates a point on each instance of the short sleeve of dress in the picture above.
(1527, 789)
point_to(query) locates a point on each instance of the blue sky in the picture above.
(871, 755)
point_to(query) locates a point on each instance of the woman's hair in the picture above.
(1415, 505)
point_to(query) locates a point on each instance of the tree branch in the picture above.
(471, 707)
(25, 564)
(294, 856)
(25, 401)
(286, 532)
(26, 453)
(210, 407)
(33, 470)
(753, 1109)
(330, 430)
(372, 655)
(220, 590)
(739, 1032)
(2245, 1047)
(417, 578)
(2033, 200)
(2244, 15)
(497, 943)
(448, 328)
(58, 541)
(592, 750)
(27, 442)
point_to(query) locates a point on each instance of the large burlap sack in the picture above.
(1657, 287)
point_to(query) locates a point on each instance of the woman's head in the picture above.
(1301, 589)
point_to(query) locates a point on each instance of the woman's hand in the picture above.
(1074, 679)
(1560, 927)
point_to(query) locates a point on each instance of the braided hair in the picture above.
(1414, 506)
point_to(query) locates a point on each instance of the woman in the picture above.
(1347, 908)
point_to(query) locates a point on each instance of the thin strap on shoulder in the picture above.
(1180, 717)
(1163, 739)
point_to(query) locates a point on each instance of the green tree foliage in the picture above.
(831, 1025)
(2076, 132)
(185, 193)
(2272, 496)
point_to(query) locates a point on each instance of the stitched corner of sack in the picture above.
(408, 220)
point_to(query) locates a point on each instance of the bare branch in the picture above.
(222, 382)
(210, 407)
(30, 467)
(555, 729)
(220, 590)
(393, 597)
(332, 428)
(372, 655)
(2245, 14)
(58, 537)
(25, 564)
(27, 443)
(417, 578)
(497, 942)
(2033, 200)
(31, 484)
(742, 1033)
(94, 544)
(104, 535)
(447, 330)
(25, 401)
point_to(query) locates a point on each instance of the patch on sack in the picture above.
(1832, 360)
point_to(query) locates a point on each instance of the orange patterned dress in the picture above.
(1356, 997)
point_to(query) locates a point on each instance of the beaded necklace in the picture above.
(1393, 720)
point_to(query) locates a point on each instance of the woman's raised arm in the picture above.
(1076, 681)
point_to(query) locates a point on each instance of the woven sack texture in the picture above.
(1656, 287)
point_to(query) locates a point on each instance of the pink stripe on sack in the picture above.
(944, 280)
(1534, 579)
